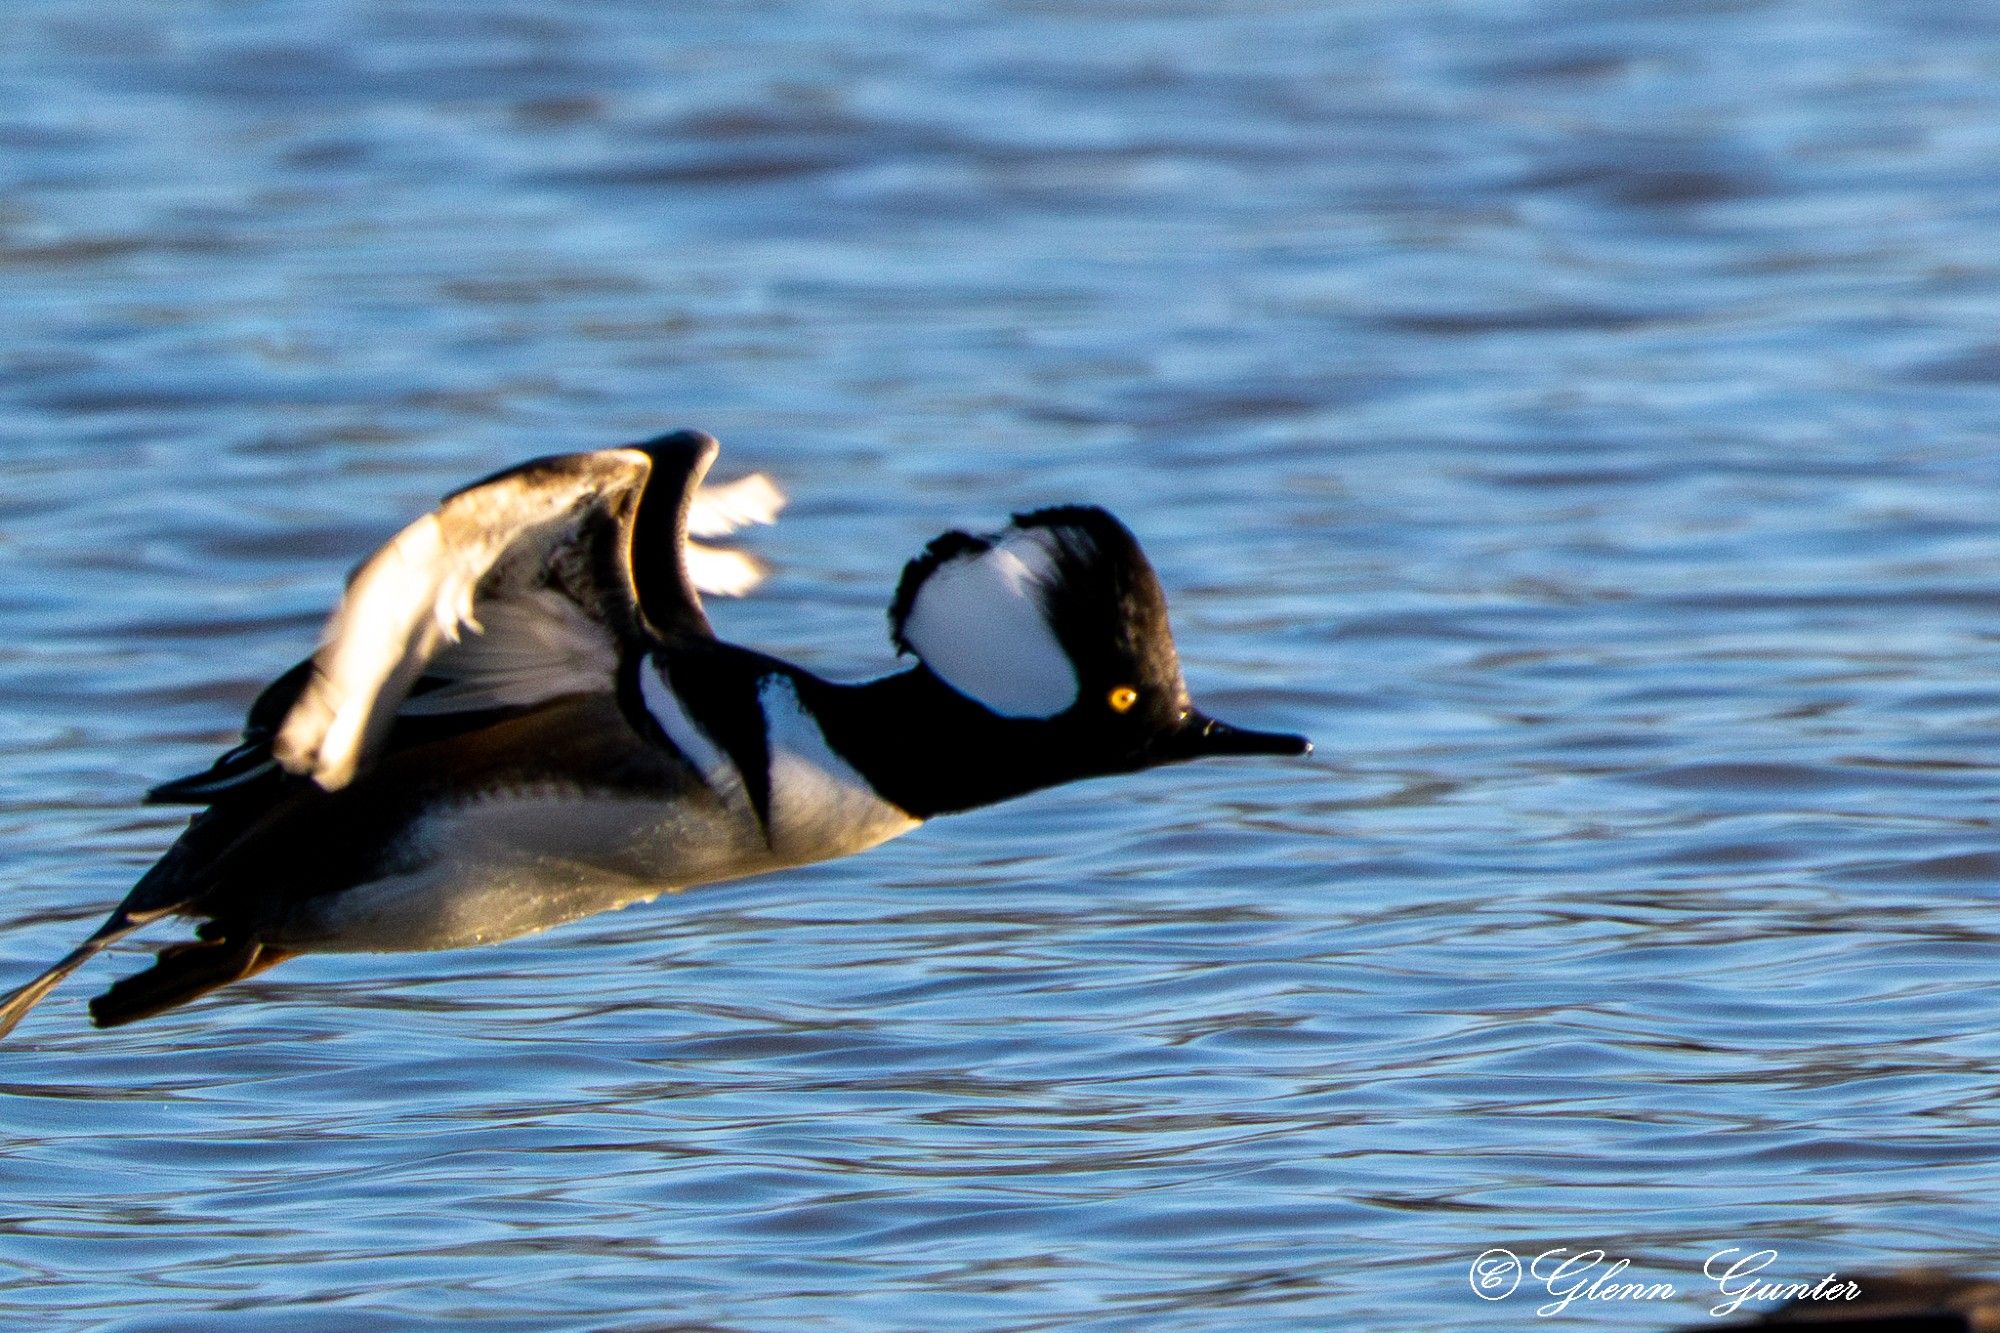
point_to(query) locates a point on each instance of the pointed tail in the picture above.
(16, 1005)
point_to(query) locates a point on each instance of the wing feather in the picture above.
(720, 510)
(492, 549)
(530, 647)
(514, 590)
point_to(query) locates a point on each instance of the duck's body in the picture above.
(584, 803)
(519, 716)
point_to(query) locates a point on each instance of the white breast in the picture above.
(509, 863)
(820, 807)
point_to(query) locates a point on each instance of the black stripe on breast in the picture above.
(718, 688)
(632, 703)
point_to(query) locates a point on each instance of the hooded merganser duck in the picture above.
(518, 715)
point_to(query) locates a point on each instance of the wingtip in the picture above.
(698, 447)
(719, 572)
(719, 510)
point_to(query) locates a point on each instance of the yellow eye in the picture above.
(1122, 699)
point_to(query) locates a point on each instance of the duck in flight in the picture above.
(518, 715)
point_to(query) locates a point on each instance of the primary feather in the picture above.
(501, 598)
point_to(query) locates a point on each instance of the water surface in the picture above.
(1577, 416)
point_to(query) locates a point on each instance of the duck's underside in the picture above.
(462, 836)
(400, 862)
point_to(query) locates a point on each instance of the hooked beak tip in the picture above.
(1202, 735)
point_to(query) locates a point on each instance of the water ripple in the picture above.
(1577, 418)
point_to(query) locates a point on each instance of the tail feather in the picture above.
(180, 973)
(17, 1004)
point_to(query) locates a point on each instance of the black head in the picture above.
(1058, 623)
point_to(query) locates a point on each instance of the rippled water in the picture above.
(1577, 417)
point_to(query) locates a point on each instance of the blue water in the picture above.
(1579, 417)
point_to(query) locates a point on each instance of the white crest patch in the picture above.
(820, 806)
(977, 622)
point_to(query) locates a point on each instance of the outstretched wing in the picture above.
(531, 584)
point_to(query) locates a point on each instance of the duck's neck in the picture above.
(928, 748)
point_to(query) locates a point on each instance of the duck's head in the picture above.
(1056, 626)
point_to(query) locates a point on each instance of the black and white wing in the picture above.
(532, 584)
